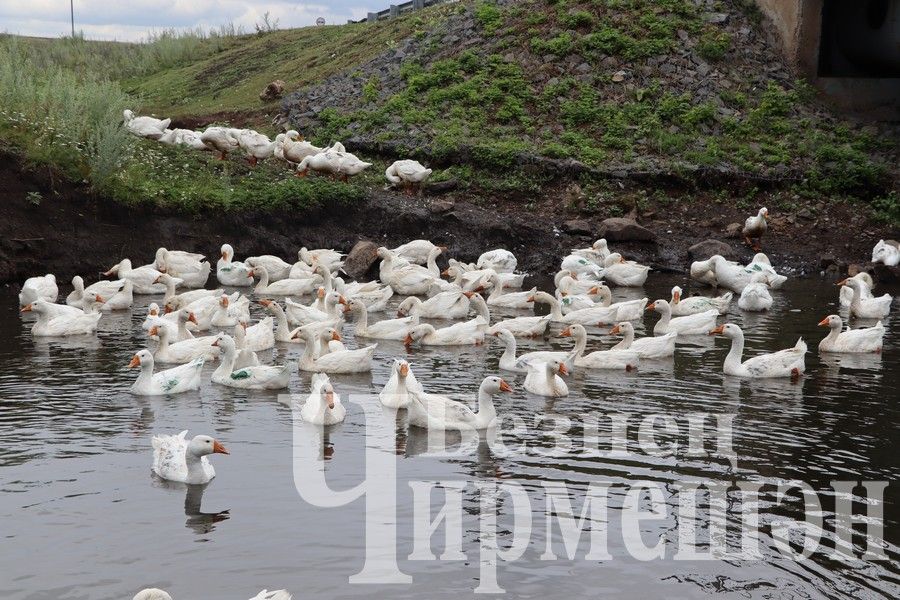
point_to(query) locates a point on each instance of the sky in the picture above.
(132, 20)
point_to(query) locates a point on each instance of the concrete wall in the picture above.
(798, 25)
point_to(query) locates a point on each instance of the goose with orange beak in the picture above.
(176, 380)
(175, 458)
(323, 406)
(867, 308)
(864, 339)
(692, 305)
(433, 411)
(57, 320)
(544, 379)
(231, 272)
(660, 346)
(755, 228)
(319, 357)
(183, 351)
(697, 324)
(616, 360)
(395, 393)
(784, 363)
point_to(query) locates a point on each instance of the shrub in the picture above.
(488, 16)
(713, 46)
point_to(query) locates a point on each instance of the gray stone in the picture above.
(706, 248)
(617, 229)
(578, 227)
(361, 258)
(716, 18)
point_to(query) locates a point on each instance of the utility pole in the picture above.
(72, 13)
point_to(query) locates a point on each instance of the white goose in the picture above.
(409, 173)
(784, 363)
(704, 271)
(332, 260)
(256, 337)
(433, 411)
(868, 308)
(661, 346)
(887, 253)
(257, 377)
(406, 279)
(176, 459)
(183, 378)
(147, 127)
(415, 252)
(624, 273)
(846, 293)
(520, 364)
(544, 379)
(388, 329)
(459, 334)
(39, 288)
(232, 272)
(626, 310)
(697, 324)
(256, 146)
(276, 268)
(395, 393)
(755, 296)
(102, 288)
(581, 266)
(221, 139)
(121, 300)
(337, 361)
(177, 301)
(283, 332)
(619, 360)
(595, 315)
(755, 227)
(597, 252)
(323, 406)
(52, 323)
(500, 260)
(444, 305)
(283, 287)
(698, 304)
(143, 277)
(301, 314)
(518, 326)
(156, 594)
(183, 351)
(522, 300)
(183, 137)
(177, 329)
(295, 149)
(864, 339)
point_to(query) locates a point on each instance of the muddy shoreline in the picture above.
(67, 230)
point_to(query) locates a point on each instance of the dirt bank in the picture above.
(48, 224)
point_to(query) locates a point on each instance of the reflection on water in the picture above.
(76, 488)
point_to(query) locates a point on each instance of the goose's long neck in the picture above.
(733, 359)
(327, 281)
(183, 331)
(146, 373)
(362, 319)
(486, 407)
(509, 348)
(240, 337)
(555, 312)
(225, 368)
(482, 310)
(627, 340)
(194, 466)
(263, 281)
(432, 265)
(665, 317)
(833, 334)
(580, 343)
(163, 334)
(854, 301)
(170, 290)
(281, 322)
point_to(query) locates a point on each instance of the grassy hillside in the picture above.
(494, 94)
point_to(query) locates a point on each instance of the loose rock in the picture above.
(361, 258)
(273, 91)
(706, 248)
(617, 229)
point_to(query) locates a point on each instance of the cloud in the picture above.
(133, 20)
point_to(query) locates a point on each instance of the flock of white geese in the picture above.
(308, 303)
(289, 147)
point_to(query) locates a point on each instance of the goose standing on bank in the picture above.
(409, 173)
(147, 127)
(222, 140)
(755, 227)
(256, 146)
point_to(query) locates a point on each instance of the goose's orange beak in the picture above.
(594, 291)
(167, 309)
(27, 308)
(676, 297)
(265, 303)
(320, 293)
(219, 448)
(468, 294)
(408, 340)
(153, 312)
(329, 397)
(347, 309)
(718, 330)
(562, 369)
(842, 282)
(567, 332)
(224, 301)
(615, 330)
(445, 273)
(224, 256)
(504, 387)
(651, 306)
(98, 298)
(192, 319)
(157, 279)
(404, 370)
(135, 362)
(216, 343)
(342, 300)
(335, 337)
(153, 331)
(530, 298)
(823, 322)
